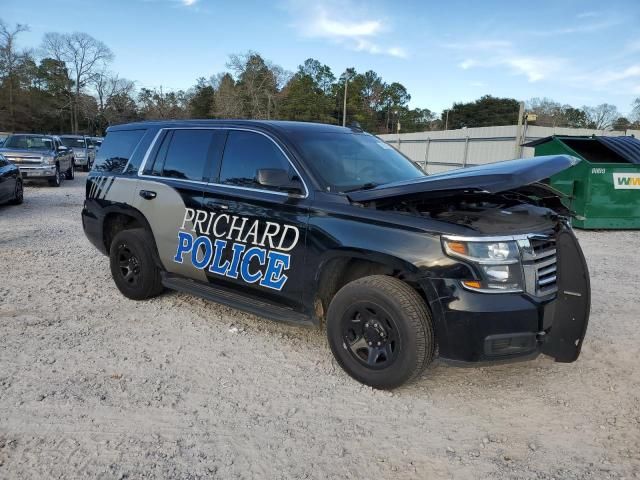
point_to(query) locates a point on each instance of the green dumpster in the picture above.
(604, 188)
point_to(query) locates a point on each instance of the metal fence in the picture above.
(439, 151)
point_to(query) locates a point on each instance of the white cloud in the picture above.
(607, 77)
(534, 68)
(496, 53)
(324, 26)
(479, 45)
(329, 22)
(587, 15)
(189, 3)
(468, 63)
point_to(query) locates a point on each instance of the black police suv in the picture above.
(314, 224)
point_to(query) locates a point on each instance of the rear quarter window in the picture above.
(116, 150)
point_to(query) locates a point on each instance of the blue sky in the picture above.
(579, 52)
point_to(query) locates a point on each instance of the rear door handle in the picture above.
(147, 194)
(214, 204)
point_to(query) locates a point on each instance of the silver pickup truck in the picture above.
(39, 157)
(83, 151)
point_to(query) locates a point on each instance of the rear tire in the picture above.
(56, 181)
(133, 268)
(70, 174)
(380, 331)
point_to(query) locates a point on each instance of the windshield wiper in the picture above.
(366, 186)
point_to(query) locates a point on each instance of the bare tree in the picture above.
(227, 101)
(602, 116)
(158, 104)
(109, 85)
(84, 57)
(10, 61)
(259, 82)
(635, 109)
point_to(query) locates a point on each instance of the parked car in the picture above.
(95, 142)
(39, 157)
(11, 188)
(3, 137)
(318, 224)
(83, 151)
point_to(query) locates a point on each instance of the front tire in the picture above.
(133, 268)
(380, 331)
(56, 181)
(18, 193)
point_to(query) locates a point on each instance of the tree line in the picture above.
(68, 87)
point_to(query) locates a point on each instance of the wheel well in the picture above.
(114, 223)
(337, 272)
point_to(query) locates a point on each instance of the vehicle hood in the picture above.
(492, 178)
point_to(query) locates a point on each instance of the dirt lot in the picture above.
(95, 385)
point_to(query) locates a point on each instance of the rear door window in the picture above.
(189, 154)
(247, 152)
(117, 150)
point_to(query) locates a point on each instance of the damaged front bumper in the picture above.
(475, 327)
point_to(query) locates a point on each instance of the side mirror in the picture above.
(62, 148)
(278, 178)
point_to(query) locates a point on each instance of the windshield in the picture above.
(73, 142)
(347, 161)
(28, 142)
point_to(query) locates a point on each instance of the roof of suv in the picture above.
(273, 125)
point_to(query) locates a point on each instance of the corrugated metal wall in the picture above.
(444, 150)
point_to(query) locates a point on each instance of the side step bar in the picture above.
(234, 300)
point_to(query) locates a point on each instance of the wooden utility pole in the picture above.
(518, 148)
(344, 108)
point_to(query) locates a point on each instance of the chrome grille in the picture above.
(539, 263)
(24, 158)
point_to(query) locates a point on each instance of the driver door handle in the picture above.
(147, 194)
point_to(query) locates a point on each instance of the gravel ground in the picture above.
(95, 385)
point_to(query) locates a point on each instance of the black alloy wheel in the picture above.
(128, 265)
(370, 335)
(380, 331)
(133, 267)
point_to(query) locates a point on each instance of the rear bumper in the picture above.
(480, 328)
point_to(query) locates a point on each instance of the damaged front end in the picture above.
(528, 291)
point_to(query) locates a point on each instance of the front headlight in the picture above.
(50, 159)
(497, 262)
